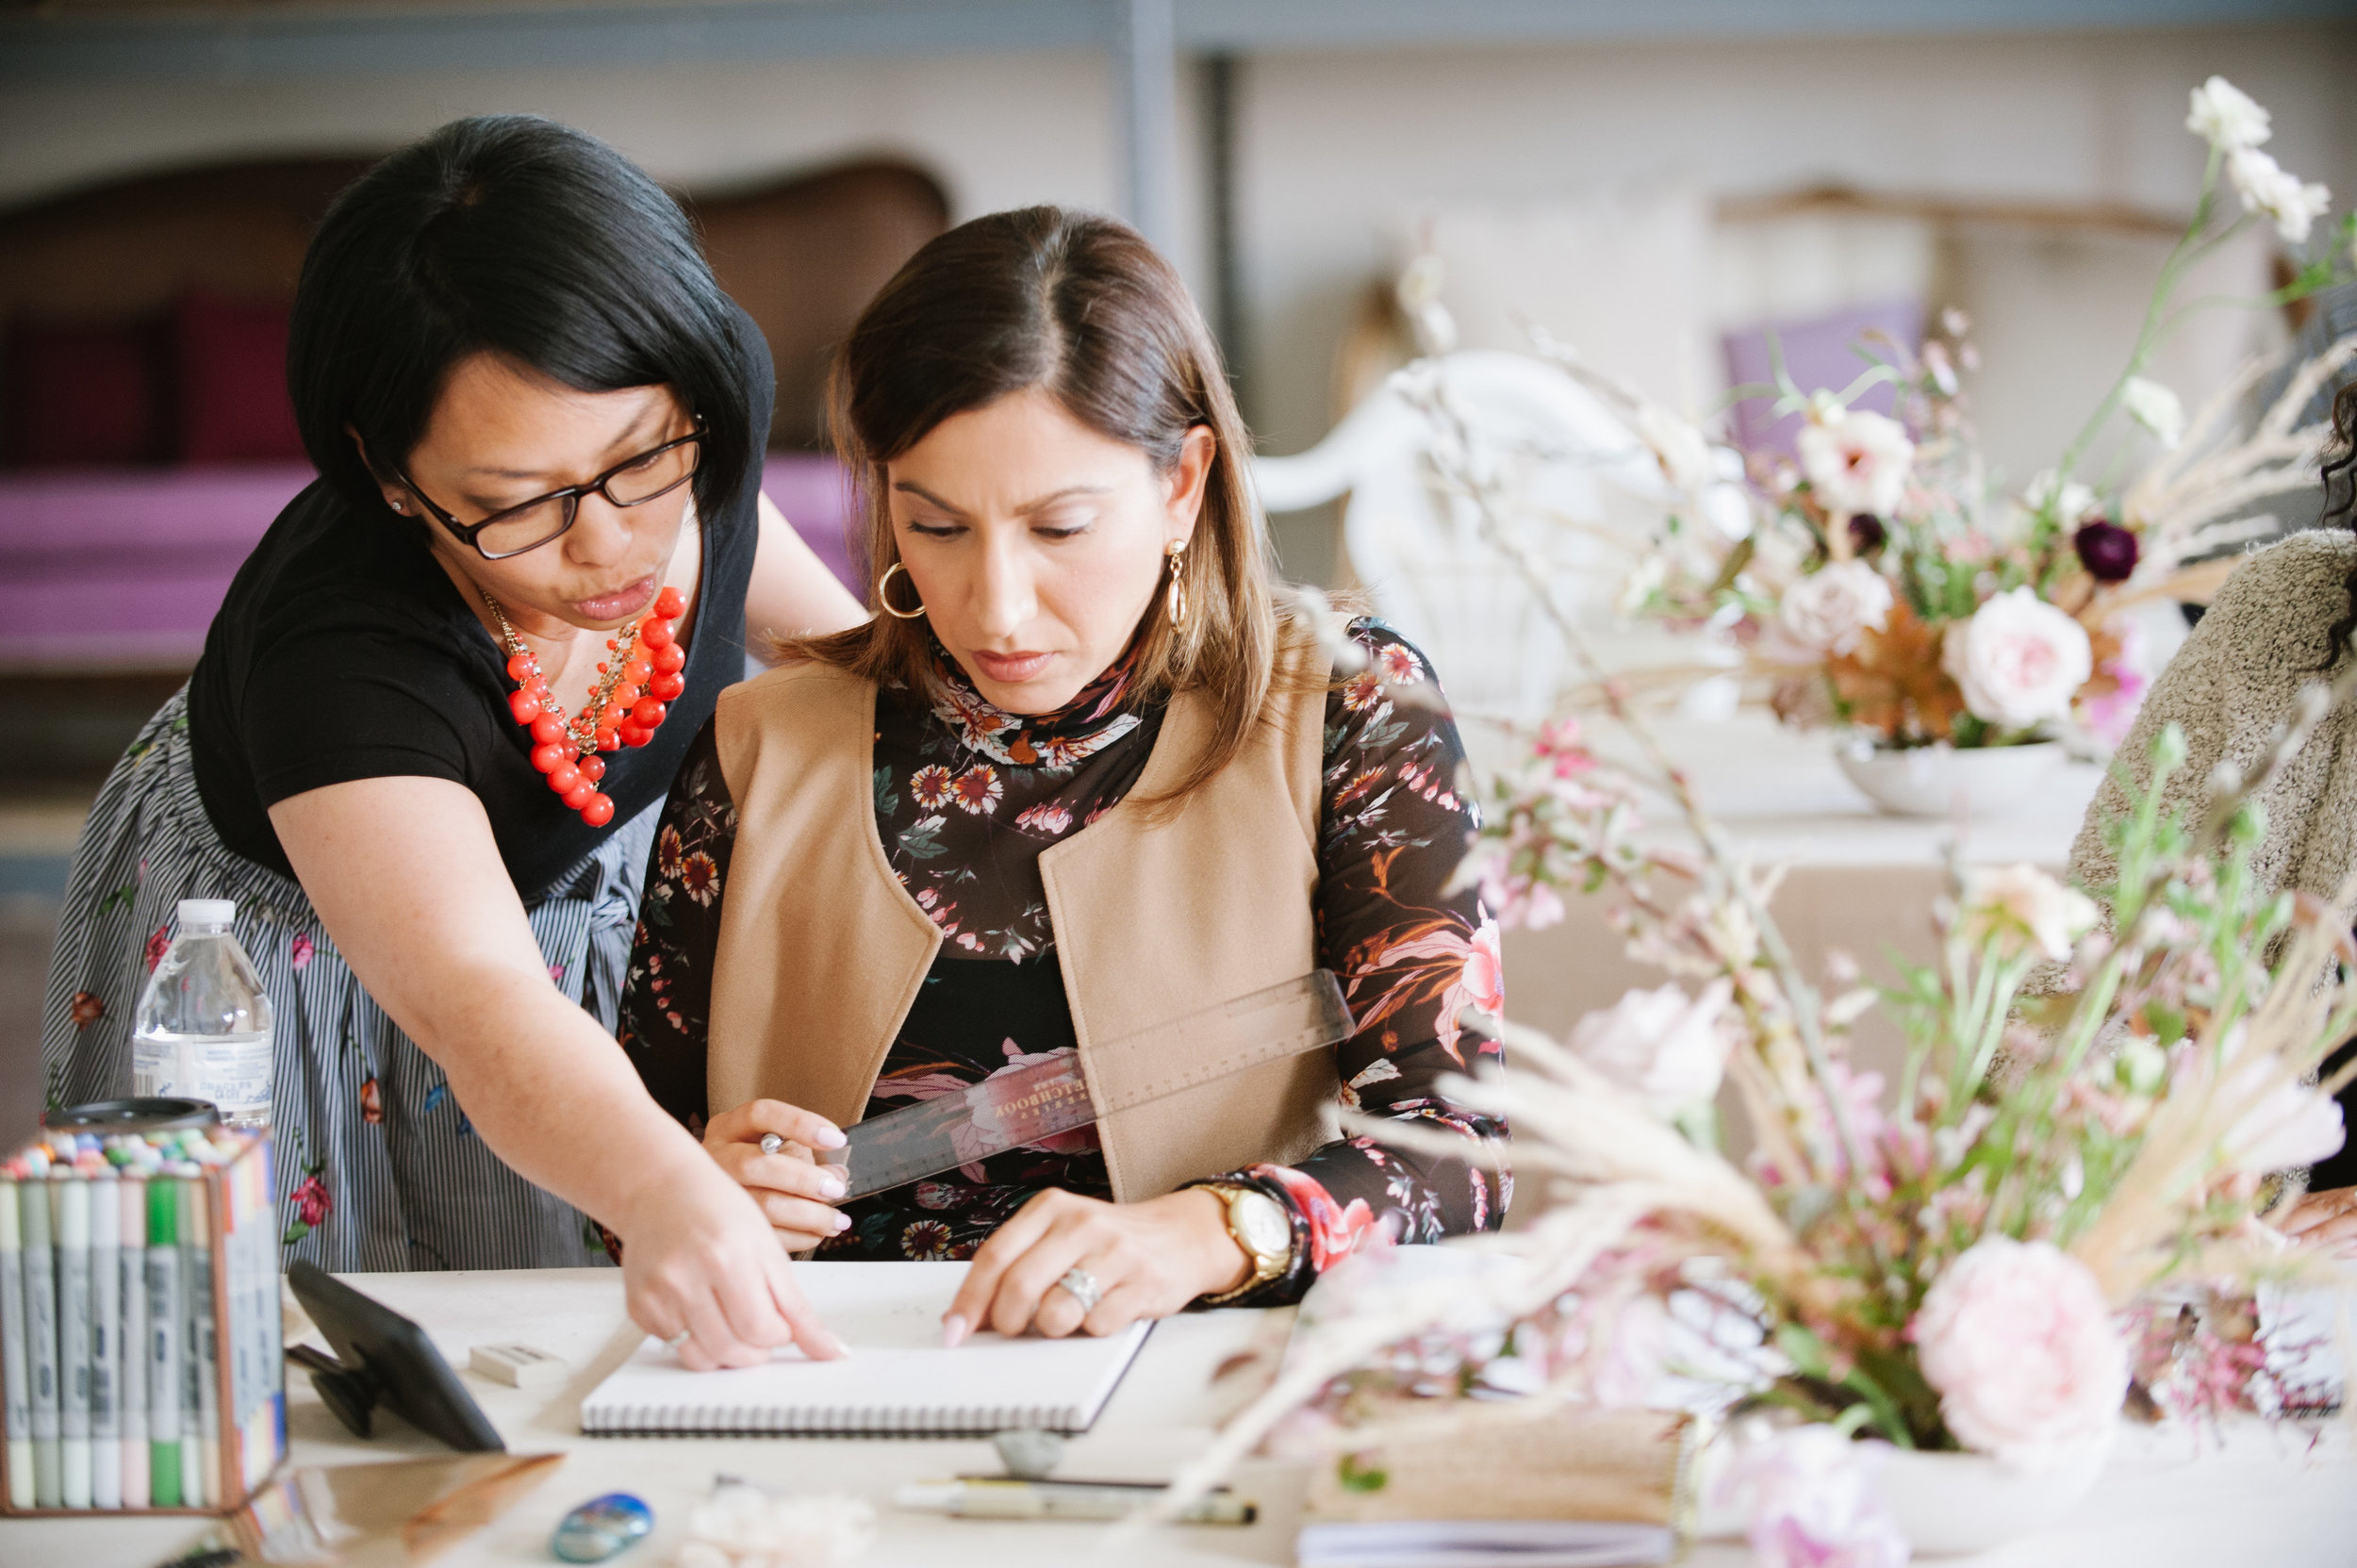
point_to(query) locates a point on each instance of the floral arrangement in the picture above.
(1881, 585)
(2054, 1212)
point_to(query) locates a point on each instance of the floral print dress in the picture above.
(965, 798)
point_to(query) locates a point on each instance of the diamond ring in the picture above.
(1083, 1288)
(679, 1339)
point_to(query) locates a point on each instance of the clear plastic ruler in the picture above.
(1026, 1105)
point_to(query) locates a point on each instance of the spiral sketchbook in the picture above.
(897, 1381)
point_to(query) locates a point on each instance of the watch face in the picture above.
(1263, 1224)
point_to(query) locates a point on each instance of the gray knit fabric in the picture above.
(2228, 688)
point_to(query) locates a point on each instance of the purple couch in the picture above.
(119, 569)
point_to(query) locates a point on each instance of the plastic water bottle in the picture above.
(202, 1025)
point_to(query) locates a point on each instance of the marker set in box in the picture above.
(139, 1331)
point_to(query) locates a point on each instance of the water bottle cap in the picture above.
(208, 914)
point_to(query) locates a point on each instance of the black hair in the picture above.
(2340, 506)
(516, 235)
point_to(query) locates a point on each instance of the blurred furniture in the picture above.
(117, 570)
(1588, 494)
(143, 417)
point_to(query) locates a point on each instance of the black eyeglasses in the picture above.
(530, 524)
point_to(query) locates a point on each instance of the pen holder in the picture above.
(141, 1350)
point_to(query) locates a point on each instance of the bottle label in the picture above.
(230, 1071)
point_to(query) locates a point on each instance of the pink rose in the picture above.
(299, 953)
(1807, 1503)
(1484, 977)
(2019, 1343)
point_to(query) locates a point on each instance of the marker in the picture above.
(200, 1442)
(163, 1340)
(106, 1338)
(131, 1387)
(12, 1365)
(988, 1498)
(40, 1329)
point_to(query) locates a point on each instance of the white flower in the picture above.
(2156, 408)
(1856, 461)
(2266, 187)
(1681, 449)
(2071, 501)
(2023, 902)
(1828, 611)
(2019, 661)
(2017, 1341)
(1660, 1045)
(2292, 1125)
(2225, 117)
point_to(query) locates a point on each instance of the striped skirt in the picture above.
(377, 1165)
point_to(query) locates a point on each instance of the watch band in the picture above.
(1265, 1266)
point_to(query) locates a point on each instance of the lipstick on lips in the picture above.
(1012, 668)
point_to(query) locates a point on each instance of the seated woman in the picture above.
(2281, 624)
(1082, 778)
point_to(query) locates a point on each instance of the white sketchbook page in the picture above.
(890, 1315)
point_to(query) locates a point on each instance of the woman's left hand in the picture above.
(2326, 1221)
(1148, 1260)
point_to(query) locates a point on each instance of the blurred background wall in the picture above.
(1293, 157)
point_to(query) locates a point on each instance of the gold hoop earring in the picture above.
(883, 596)
(1174, 602)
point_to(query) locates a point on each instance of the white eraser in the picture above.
(518, 1365)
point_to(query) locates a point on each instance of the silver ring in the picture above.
(1082, 1287)
(679, 1339)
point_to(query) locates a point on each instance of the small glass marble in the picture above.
(602, 1528)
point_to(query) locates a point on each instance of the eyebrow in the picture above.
(913, 489)
(630, 432)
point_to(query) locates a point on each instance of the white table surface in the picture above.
(2173, 1498)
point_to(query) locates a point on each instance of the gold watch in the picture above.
(1261, 1227)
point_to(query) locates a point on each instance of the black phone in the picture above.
(384, 1359)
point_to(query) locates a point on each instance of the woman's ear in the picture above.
(395, 496)
(1187, 480)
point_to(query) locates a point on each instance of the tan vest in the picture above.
(822, 949)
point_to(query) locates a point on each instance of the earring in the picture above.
(885, 598)
(1174, 602)
(399, 505)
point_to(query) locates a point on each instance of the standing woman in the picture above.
(537, 423)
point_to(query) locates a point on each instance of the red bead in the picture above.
(538, 687)
(649, 712)
(612, 643)
(666, 686)
(636, 671)
(565, 779)
(613, 713)
(669, 603)
(581, 794)
(626, 694)
(548, 728)
(608, 738)
(548, 758)
(634, 736)
(655, 633)
(669, 657)
(599, 812)
(592, 768)
(525, 706)
(522, 667)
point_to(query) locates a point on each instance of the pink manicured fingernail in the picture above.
(953, 1331)
(842, 1222)
(832, 1184)
(831, 1137)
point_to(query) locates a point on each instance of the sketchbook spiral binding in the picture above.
(836, 1421)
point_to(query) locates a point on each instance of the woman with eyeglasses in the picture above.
(426, 743)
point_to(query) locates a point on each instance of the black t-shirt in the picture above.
(344, 651)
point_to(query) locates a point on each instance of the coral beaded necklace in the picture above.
(625, 708)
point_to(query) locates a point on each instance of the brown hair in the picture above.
(1081, 307)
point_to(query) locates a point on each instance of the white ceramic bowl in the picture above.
(1940, 781)
(1945, 1503)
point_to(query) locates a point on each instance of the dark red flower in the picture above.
(312, 1201)
(2106, 549)
(158, 944)
(371, 1104)
(88, 1009)
(1867, 532)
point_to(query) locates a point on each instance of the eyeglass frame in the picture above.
(468, 533)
